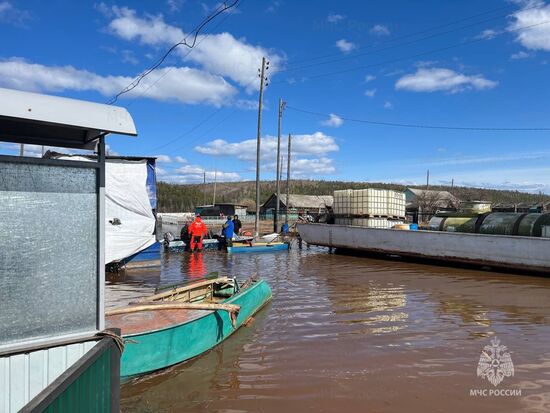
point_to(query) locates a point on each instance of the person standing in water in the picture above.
(197, 230)
(237, 225)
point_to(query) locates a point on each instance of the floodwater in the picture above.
(355, 334)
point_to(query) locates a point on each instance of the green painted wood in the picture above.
(147, 352)
(90, 392)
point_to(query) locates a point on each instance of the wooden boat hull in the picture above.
(264, 247)
(157, 349)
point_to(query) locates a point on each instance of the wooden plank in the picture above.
(154, 306)
(183, 289)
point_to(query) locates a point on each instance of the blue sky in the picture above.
(467, 63)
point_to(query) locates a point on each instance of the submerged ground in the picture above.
(354, 334)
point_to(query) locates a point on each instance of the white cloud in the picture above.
(380, 30)
(180, 159)
(440, 79)
(536, 35)
(129, 57)
(5, 6)
(487, 34)
(388, 105)
(12, 15)
(334, 121)
(520, 55)
(311, 167)
(485, 159)
(335, 18)
(273, 7)
(369, 78)
(163, 158)
(345, 46)
(182, 84)
(370, 93)
(220, 54)
(316, 144)
(190, 174)
(195, 173)
(174, 5)
(425, 63)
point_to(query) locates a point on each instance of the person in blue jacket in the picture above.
(228, 231)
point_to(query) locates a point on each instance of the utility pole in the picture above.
(279, 167)
(288, 178)
(204, 188)
(263, 78)
(428, 180)
(215, 179)
(21, 150)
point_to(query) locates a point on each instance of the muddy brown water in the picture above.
(355, 334)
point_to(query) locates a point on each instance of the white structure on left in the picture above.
(52, 259)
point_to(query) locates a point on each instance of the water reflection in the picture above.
(344, 332)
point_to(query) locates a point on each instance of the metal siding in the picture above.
(23, 376)
(91, 392)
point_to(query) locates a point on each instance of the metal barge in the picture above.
(499, 251)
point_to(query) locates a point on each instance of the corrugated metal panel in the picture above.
(23, 376)
(91, 392)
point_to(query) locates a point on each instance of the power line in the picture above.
(398, 59)
(185, 56)
(211, 115)
(354, 55)
(420, 126)
(426, 30)
(220, 9)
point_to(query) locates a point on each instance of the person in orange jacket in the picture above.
(197, 230)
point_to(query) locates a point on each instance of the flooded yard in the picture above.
(355, 334)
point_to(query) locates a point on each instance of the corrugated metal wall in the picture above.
(23, 376)
(91, 392)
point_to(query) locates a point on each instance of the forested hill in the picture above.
(179, 198)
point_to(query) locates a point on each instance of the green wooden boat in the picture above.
(177, 325)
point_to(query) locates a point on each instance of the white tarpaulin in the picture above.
(129, 220)
(126, 198)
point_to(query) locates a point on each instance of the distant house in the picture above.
(422, 204)
(217, 209)
(313, 204)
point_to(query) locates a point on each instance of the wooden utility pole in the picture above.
(288, 178)
(279, 167)
(428, 180)
(258, 145)
(215, 179)
(204, 188)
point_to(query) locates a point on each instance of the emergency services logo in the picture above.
(495, 363)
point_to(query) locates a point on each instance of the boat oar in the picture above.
(232, 309)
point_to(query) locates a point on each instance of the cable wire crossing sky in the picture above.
(378, 91)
